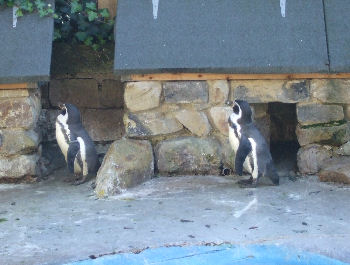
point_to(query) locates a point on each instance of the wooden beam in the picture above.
(111, 5)
(18, 85)
(204, 76)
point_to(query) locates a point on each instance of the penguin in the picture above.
(250, 147)
(75, 143)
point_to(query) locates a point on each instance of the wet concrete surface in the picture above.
(53, 222)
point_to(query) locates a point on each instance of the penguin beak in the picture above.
(61, 106)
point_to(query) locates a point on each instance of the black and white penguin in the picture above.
(75, 143)
(250, 147)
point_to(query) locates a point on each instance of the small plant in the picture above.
(80, 21)
(76, 21)
(29, 6)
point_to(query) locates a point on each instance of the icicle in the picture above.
(283, 7)
(14, 16)
(155, 8)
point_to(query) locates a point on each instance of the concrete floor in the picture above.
(53, 222)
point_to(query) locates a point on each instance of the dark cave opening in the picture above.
(283, 140)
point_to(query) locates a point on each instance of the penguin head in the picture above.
(70, 114)
(242, 112)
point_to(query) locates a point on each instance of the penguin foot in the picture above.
(247, 183)
(69, 179)
(79, 181)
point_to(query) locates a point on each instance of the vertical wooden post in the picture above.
(111, 5)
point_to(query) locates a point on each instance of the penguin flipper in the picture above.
(244, 149)
(73, 150)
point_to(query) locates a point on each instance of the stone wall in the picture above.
(19, 136)
(186, 121)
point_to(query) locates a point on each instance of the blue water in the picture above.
(214, 255)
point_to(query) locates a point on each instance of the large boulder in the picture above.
(126, 164)
(336, 170)
(188, 155)
(310, 158)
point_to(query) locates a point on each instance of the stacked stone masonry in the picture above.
(186, 121)
(19, 137)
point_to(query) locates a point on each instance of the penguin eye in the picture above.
(236, 109)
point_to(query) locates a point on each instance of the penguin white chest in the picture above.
(234, 142)
(61, 140)
(62, 134)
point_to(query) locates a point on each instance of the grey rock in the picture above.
(317, 113)
(218, 91)
(20, 112)
(81, 92)
(263, 91)
(188, 155)
(186, 92)
(332, 134)
(111, 94)
(126, 164)
(18, 166)
(47, 124)
(259, 110)
(104, 124)
(337, 170)
(140, 96)
(310, 158)
(347, 112)
(14, 142)
(219, 118)
(331, 90)
(344, 149)
(195, 121)
(150, 124)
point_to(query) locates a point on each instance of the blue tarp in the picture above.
(218, 255)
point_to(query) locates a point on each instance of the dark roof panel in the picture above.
(338, 33)
(25, 50)
(228, 36)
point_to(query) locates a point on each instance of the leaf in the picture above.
(92, 15)
(76, 7)
(81, 35)
(19, 13)
(104, 13)
(88, 41)
(57, 35)
(95, 46)
(91, 6)
(39, 4)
